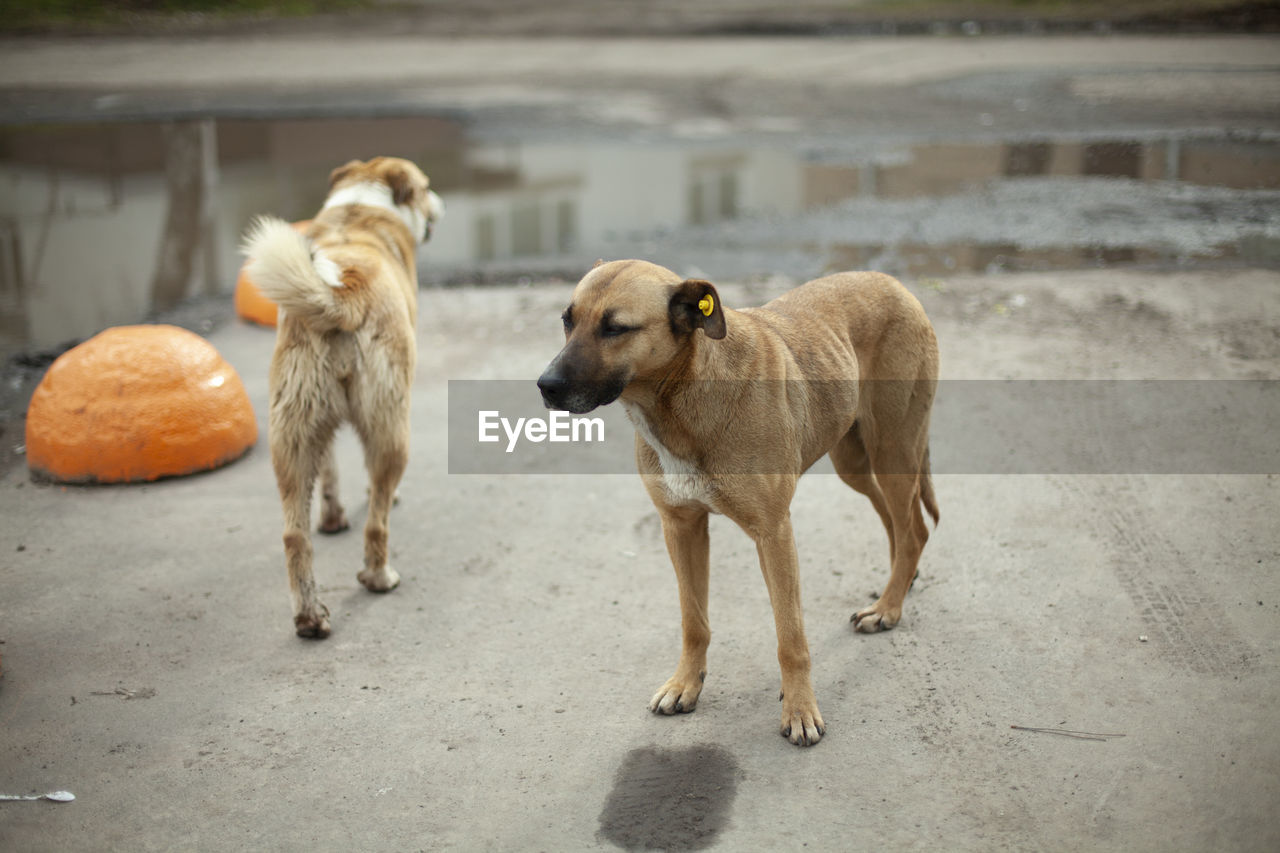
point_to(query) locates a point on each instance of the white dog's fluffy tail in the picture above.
(302, 281)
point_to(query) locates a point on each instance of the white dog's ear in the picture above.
(401, 184)
(695, 304)
(343, 171)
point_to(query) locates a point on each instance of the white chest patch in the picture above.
(681, 479)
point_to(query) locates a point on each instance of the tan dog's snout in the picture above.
(573, 381)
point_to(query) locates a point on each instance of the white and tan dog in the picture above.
(345, 352)
(731, 407)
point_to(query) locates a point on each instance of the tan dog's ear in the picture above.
(598, 263)
(695, 304)
(343, 171)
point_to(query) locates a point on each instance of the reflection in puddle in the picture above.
(107, 223)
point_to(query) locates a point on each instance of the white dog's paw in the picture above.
(312, 622)
(384, 579)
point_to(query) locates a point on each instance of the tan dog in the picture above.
(345, 352)
(731, 407)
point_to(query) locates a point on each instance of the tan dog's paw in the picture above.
(313, 624)
(877, 617)
(802, 722)
(677, 696)
(379, 580)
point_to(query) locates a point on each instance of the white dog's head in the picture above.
(391, 183)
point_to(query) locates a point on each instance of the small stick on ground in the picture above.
(1068, 733)
(140, 693)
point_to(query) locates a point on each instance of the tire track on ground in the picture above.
(1188, 625)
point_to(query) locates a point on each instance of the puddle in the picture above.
(83, 207)
(670, 799)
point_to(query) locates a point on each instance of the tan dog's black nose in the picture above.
(553, 386)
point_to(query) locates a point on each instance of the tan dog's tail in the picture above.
(926, 489)
(302, 281)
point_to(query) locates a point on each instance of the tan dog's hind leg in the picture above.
(801, 721)
(849, 457)
(895, 446)
(295, 477)
(851, 462)
(902, 497)
(689, 544)
(332, 517)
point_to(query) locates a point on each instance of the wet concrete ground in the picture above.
(496, 699)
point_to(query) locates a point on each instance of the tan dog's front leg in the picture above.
(801, 721)
(689, 544)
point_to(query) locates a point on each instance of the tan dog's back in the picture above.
(857, 342)
(872, 313)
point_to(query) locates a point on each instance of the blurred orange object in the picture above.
(250, 302)
(136, 403)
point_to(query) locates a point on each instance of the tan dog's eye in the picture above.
(567, 319)
(613, 330)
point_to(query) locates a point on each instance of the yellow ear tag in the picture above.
(706, 305)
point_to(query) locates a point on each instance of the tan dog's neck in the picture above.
(668, 398)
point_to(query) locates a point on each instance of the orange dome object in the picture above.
(251, 303)
(136, 403)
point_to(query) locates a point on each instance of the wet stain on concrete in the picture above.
(670, 799)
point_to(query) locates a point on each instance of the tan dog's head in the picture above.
(390, 182)
(627, 320)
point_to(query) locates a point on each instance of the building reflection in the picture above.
(86, 210)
